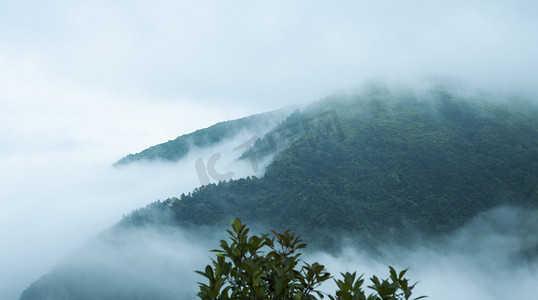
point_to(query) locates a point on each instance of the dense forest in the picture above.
(381, 165)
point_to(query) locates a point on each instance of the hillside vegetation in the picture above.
(379, 165)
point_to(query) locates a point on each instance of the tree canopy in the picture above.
(260, 267)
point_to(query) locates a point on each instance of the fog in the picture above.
(491, 257)
(83, 84)
(54, 202)
(139, 263)
(266, 54)
(488, 258)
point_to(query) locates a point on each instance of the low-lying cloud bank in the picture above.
(492, 257)
(53, 203)
(140, 263)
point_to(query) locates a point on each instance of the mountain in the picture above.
(376, 167)
(381, 165)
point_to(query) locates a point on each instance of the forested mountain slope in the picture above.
(380, 165)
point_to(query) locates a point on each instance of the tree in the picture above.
(260, 267)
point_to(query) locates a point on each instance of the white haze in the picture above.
(482, 260)
(144, 263)
(53, 202)
(266, 54)
(84, 83)
(487, 259)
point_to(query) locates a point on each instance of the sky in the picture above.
(83, 83)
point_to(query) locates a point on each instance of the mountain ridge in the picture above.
(174, 150)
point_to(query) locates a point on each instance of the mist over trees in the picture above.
(362, 170)
(400, 163)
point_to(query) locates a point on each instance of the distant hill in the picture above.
(176, 149)
(374, 167)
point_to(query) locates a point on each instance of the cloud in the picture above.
(266, 55)
(54, 200)
(486, 259)
(492, 257)
(39, 115)
(142, 263)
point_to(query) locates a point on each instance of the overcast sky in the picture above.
(96, 71)
(83, 83)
